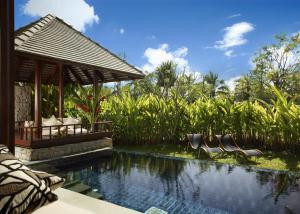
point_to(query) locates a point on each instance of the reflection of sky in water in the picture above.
(190, 186)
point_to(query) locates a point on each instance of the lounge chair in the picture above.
(191, 142)
(229, 145)
(197, 141)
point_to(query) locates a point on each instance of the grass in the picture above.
(270, 160)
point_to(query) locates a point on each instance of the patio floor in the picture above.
(76, 203)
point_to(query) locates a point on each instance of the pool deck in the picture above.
(76, 203)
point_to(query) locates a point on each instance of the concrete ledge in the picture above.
(76, 203)
(53, 152)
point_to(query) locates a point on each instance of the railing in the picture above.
(60, 131)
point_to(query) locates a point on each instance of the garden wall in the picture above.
(22, 103)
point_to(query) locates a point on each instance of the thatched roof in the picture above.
(50, 41)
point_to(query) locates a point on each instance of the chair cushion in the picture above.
(21, 190)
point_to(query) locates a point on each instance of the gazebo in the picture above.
(49, 51)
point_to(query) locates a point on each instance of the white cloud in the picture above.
(234, 16)
(229, 53)
(77, 13)
(232, 82)
(122, 31)
(156, 56)
(234, 36)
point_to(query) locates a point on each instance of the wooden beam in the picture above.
(88, 75)
(115, 77)
(38, 97)
(67, 76)
(95, 84)
(100, 75)
(7, 74)
(61, 92)
(77, 77)
(72, 63)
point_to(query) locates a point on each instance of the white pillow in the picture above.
(52, 121)
(71, 121)
(28, 124)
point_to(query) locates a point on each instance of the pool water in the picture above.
(186, 186)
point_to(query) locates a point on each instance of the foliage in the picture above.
(151, 119)
(263, 110)
(270, 160)
(277, 64)
(88, 101)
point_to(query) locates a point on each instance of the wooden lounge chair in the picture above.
(197, 142)
(191, 142)
(229, 145)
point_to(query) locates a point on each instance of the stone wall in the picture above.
(22, 103)
(61, 151)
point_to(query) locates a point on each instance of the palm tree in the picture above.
(213, 82)
(166, 76)
(243, 88)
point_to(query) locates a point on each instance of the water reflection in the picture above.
(188, 186)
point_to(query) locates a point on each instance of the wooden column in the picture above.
(61, 92)
(7, 74)
(38, 97)
(95, 84)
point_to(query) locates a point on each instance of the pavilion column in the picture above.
(95, 84)
(7, 74)
(38, 97)
(61, 92)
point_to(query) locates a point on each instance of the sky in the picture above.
(199, 35)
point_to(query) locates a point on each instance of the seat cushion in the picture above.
(77, 131)
(46, 132)
(21, 190)
(52, 121)
(71, 121)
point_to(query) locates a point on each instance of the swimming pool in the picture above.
(186, 186)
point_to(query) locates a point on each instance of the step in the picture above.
(81, 188)
(71, 183)
(94, 195)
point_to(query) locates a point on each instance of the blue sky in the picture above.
(221, 36)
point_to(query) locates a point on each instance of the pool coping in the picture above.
(212, 161)
(73, 202)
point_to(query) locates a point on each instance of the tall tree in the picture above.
(166, 76)
(277, 62)
(243, 88)
(214, 83)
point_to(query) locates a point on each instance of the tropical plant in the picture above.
(88, 101)
(153, 119)
(166, 76)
